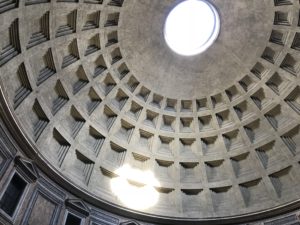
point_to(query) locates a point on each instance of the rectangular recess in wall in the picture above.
(12, 195)
(73, 220)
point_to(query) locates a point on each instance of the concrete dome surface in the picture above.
(91, 86)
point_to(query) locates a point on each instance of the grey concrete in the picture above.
(230, 148)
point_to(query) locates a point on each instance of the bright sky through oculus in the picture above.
(192, 27)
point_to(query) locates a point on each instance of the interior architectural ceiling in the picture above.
(93, 86)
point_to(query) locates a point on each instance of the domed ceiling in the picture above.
(93, 86)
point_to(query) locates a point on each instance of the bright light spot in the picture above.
(135, 188)
(192, 27)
